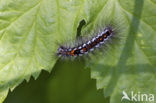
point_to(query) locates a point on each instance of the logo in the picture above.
(137, 96)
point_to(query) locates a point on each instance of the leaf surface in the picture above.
(131, 66)
(29, 32)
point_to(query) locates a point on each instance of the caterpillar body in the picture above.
(88, 46)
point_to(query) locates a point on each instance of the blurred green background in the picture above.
(69, 82)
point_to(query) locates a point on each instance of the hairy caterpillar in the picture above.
(85, 46)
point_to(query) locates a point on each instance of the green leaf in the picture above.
(131, 66)
(29, 30)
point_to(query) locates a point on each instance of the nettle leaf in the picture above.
(131, 66)
(30, 30)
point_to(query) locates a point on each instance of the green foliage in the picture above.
(29, 30)
(132, 65)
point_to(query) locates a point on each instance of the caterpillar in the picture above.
(89, 45)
